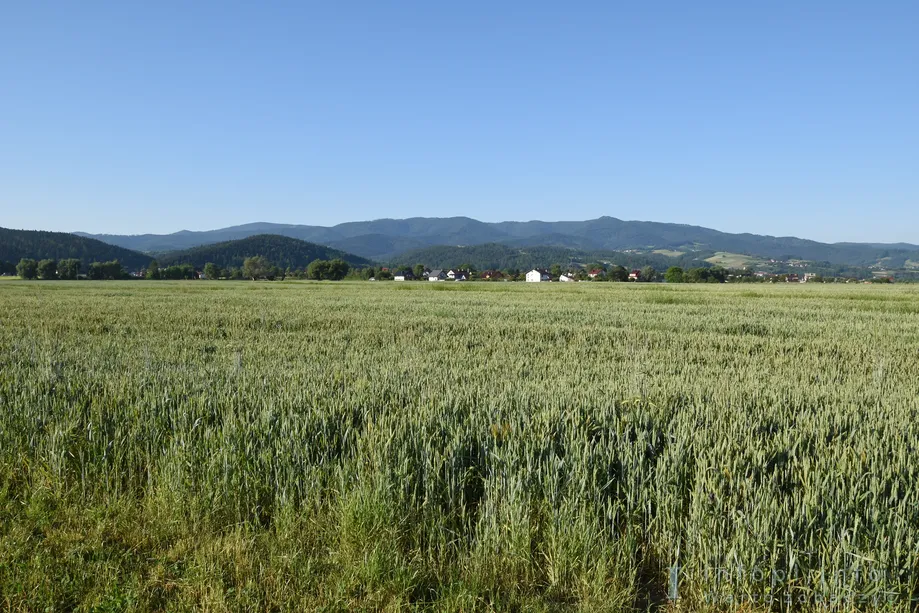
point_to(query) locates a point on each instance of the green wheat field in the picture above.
(289, 446)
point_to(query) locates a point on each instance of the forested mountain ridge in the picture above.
(281, 251)
(41, 245)
(385, 239)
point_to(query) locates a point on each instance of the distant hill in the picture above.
(497, 256)
(40, 245)
(377, 246)
(282, 251)
(384, 239)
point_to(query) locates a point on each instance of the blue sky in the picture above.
(787, 118)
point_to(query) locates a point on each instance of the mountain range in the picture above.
(387, 239)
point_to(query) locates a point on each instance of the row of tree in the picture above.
(255, 267)
(68, 269)
(175, 272)
(715, 274)
(259, 267)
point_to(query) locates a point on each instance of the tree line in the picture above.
(255, 267)
(260, 268)
(68, 269)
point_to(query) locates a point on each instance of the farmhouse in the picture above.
(635, 275)
(437, 275)
(458, 275)
(567, 278)
(404, 276)
(537, 274)
(596, 272)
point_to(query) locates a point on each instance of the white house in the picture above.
(536, 275)
(567, 278)
(437, 275)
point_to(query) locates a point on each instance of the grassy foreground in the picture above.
(296, 446)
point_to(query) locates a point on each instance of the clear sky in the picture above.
(783, 117)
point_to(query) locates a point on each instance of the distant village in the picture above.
(616, 273)
(537, 275)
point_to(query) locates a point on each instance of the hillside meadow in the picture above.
(223, 446)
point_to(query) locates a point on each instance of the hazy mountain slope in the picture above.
(283, 251)
(382, 238)
(376, 246)
(185, 239)
(40, 245)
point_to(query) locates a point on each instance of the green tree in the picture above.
(69, 268)
(555, 270)
(717, 274)
(47, 269)
(338, 269)
(256, 267)
(328, 270)
(179, 271)
(617, 273)
(418, 271)
(699, 275)
(212, 271)
(674, 274)
(114, 270)
(106, 270)
(27, 268)
(648, 274)
(153, 270)
(318, 270)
